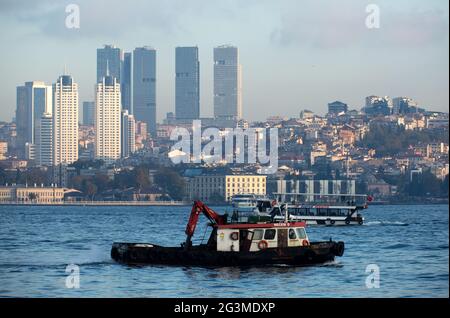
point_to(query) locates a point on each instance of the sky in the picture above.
(295, 54)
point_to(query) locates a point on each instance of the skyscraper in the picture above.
(187, 83)
(404, 105)
(227, 83)
(126, 82)
(107, 120)
(109, 58)
(144, 86)
(128, 134)
(33, 100)
(45, 142)
(65, 121)
(88, 113)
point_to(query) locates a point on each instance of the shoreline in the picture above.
(180, 203)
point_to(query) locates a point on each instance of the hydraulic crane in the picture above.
(197, 208)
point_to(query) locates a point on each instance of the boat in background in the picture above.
(314, 209)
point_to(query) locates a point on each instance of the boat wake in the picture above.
(334, 263)
(386, 223)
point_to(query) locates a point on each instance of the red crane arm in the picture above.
(197, 208)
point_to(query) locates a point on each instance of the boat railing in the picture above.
(358, 200)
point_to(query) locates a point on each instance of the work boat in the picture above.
(234, 244)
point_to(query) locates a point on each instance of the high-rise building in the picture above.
(404, 105)
(126, 82)
(227, 83)
(65, 121)
(88, 113)
(376, 105)
(45, 143)
(187, 83)
(109, 59)
(128, 134)
(337, 107)
(144, 86)
(21, 120)
(33, 100)
(107, 120)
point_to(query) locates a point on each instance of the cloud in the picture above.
(342, 24)
(102, 18)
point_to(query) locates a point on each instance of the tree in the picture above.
(89, 188)
(425, 184)
(141, 177)
(101, 181)
(171, 182)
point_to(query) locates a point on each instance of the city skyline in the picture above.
(303, 69)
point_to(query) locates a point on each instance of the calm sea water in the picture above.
(409, 244)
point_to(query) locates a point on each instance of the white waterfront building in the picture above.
(108, 120)
(65, 121)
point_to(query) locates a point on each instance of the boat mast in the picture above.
(286, 216)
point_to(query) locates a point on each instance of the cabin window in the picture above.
(258, 235)
(270, 234)
(292, 235)
(301, 211)
(301, 233)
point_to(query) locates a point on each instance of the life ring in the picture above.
(361, 222)
(332, 222)
(347, 222)
(234, 236)
(274, 202)
(305, 243)
(262, 245)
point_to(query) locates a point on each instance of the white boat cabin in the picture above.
(256, 237)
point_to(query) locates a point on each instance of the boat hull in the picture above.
(139, 253)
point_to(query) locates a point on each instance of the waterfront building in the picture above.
(26, 194)
(224, 186)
